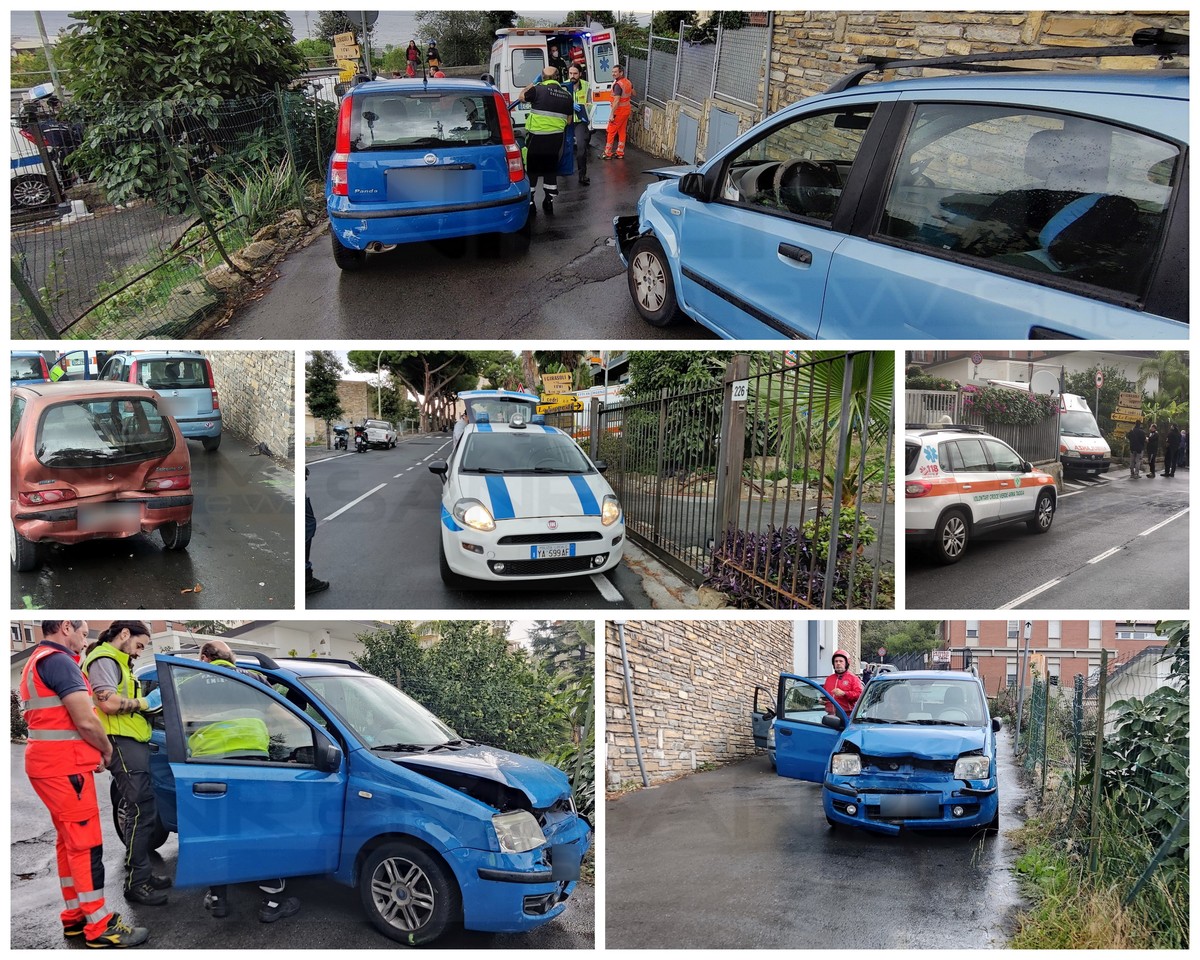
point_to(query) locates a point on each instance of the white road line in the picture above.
(1032, 593)
(1063, 496)
(327, 459)
(606, 588)
(338, 513)
(1159, 526)
(1104, 555)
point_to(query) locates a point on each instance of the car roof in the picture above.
(1172, 84)
(497, 394)
(416, 85)
(947, 430)
(82, 389)
(166, 355)
(928, 675)
(503, 426)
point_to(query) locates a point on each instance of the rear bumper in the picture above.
(60, 524)
(357, 225)
(201, 427)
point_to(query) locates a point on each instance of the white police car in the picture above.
(521, 501)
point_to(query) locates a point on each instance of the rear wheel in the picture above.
(22, 552)
(344, 257)
(211, 443)
(650, 283)
(1043, 514)
(408, 894)
(31, 191)
(950, 537)
(175, 536)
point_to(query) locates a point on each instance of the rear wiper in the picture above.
(73, 454)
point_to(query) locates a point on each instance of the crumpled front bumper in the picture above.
(871, 795)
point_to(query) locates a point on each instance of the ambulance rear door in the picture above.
(601, 50)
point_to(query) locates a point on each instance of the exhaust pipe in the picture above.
(376, 247)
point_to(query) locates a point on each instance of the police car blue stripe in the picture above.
(502, 507)
(587, 499)
(17, 163)
(483, 428)
(551, 429)
(448, 520)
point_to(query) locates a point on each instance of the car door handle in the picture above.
(966, 486)
(209, 789)
(785, 731)
(1004, 483)
(799, 254)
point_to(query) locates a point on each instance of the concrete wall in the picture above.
(258, 396)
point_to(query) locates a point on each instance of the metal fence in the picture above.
(1037, 442)
(137, 223)
(745, 486)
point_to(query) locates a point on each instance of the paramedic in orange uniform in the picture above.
(622, 105)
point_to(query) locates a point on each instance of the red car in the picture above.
(95, 460)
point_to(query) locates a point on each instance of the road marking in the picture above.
(338, 513)
(327, 459)
(1159, 526)
(606, 588)
(1032, 593)
(1106, 553)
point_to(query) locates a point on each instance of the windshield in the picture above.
(395, 120)
(93, 433)
(500, 409)
(380, 715)
(932, 701)
(523, 452)
(173, 374)
(1078, 423)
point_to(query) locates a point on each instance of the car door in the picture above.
(967, 460)
(72, 365)
(252, 798)
(754, 255)
(761, 716)
(1016, 497)
(803, 743)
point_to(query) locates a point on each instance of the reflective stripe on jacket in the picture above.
(551, 108)
(132, 725)
(56, 748)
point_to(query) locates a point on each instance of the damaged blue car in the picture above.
(918, 751)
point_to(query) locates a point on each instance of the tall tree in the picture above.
(322, 374)
(464, 36)
(581, 18)
(1170, 368)
(332, 22)
(665, 23)
(564, 646)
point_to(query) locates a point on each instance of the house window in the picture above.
(1094, 629)
(1054, 640)
(973, 628)
(1012, 679)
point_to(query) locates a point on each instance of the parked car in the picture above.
(380, 434)
(521, 501)
(959, 480)
(919, 751)
(91, 461)
(27, 366)
(29, 183)
(185, 383)
(428, 160)
(324, 769)
(1020, 205)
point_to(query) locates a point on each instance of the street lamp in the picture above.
(1021, 683)
(378, 388)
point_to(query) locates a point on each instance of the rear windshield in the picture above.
(399, 119)
(173, 374)
(26, 368)
(92, 433)
(531, 451)
(378, 425)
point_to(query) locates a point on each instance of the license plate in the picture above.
(176, 407)
(555, 551)
(564, 861)
(910, 806)
(1092, 469)
(434, 185)
(110, 518)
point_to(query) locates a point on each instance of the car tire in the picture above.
(833, 824)
(346, 259)
(650, 283)
(211, 443)
(159, 833)
(31, 191)
(950, 536)
(22, 552)
(176, 535)
(449, 577)
(994, 825)
(408, 894)
(1043, 514)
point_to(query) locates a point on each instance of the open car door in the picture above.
(803, 744)
(762, 716)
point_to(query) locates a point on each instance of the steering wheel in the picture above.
(795, 177)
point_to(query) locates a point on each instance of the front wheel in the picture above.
(408, 894)
(1043, 514)
(950, 537)
(650, 283)
(176, 536)
(346, 258)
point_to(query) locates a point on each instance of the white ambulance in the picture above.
(521, 53)
(1081, 447)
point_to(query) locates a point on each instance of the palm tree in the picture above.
(1170, 367)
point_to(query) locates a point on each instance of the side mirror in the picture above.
(600, 465)
(997, 724)
(834, 721)
(692, 185)
(439, 467)
(1026, 467)
(769, 715)
(328, 756)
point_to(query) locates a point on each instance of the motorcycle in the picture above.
(360, 440)
(341, 440)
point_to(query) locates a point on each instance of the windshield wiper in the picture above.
(556, 470)
(403, 747)
(871, 720)
(450, 745)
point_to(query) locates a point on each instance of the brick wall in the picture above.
(358, 404)
(258, 396)
(693, 688)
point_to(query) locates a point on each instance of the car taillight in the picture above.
(28, 136)
(181, 482)
(340, 163)
(917, 488)
(37, 498)
(516, 168)
(133, 372)
(216, 404)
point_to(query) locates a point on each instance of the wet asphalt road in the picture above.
(569, 285)
(1115, 543)
(742, 858)
(241, 554)
(331, 916)
(377, 541)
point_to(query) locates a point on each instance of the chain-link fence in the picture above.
(138, 218)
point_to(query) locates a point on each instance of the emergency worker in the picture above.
(122, 710)
(622, 106)
(545, 126)
(844, 686)
(581, 120)
(67, 747)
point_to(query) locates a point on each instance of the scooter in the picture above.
(360, 440)
(341, 438)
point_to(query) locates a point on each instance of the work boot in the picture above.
(160, 883)
(272, 910)
(118, 933)
(145, 894)
(312, 584)
(606, 156)
(584, 181)
(74, 928)
(216, 904)
(548, 203)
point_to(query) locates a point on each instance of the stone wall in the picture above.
(693, 689)
(257, 390)
(358, 404)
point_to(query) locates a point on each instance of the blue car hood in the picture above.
(540, 782)
(927, 743)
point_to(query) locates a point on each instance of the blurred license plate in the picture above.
(912, 806)
(564, 861)
(110, 518)
(553, 552)
(434, 185)
(177, 406)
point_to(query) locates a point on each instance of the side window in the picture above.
(15, 412)
(527, 67)
(800, 168)
(602, 54)
(970, 452)
(227, 719)
(1060, 196)
(802, 703)
(948, 454)
(1004, 457)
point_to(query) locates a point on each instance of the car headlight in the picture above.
(473, 514)
(972, 768)
(518, 831)
(846, 765)
(610, 513)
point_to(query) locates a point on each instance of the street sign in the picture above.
(977, 358)
(741, 391)
(882, 652)
(561, 405)
(941, 656)
(1121, 429)
(349, 70)
(555, 399)
(343, 40)
(356, 17)
(1130, 400)
(1099, 379)
(350, 51)
(557, 381)
(1126, 417)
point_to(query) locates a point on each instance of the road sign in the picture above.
(349, 70)
(1099, 379)
(1130, 400)
(882, 652)
(557, 381)
(561, 405)
(977, 358)
(941, 656)
(349, 51)
(1126, 417)
(556, 399)
(343, 40)
(357, 18)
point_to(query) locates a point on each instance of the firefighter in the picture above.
(545, 127)
(67, 747)
(622, 106)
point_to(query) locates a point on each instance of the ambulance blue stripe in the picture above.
(449, 521)
(502, 507)
(587, 499)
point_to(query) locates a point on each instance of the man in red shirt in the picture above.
(843, 685)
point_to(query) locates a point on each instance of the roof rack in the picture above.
(1150, 41)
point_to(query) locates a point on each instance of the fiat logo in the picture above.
(430, 158)
(552, 524)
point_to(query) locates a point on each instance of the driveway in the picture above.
(740, 857)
